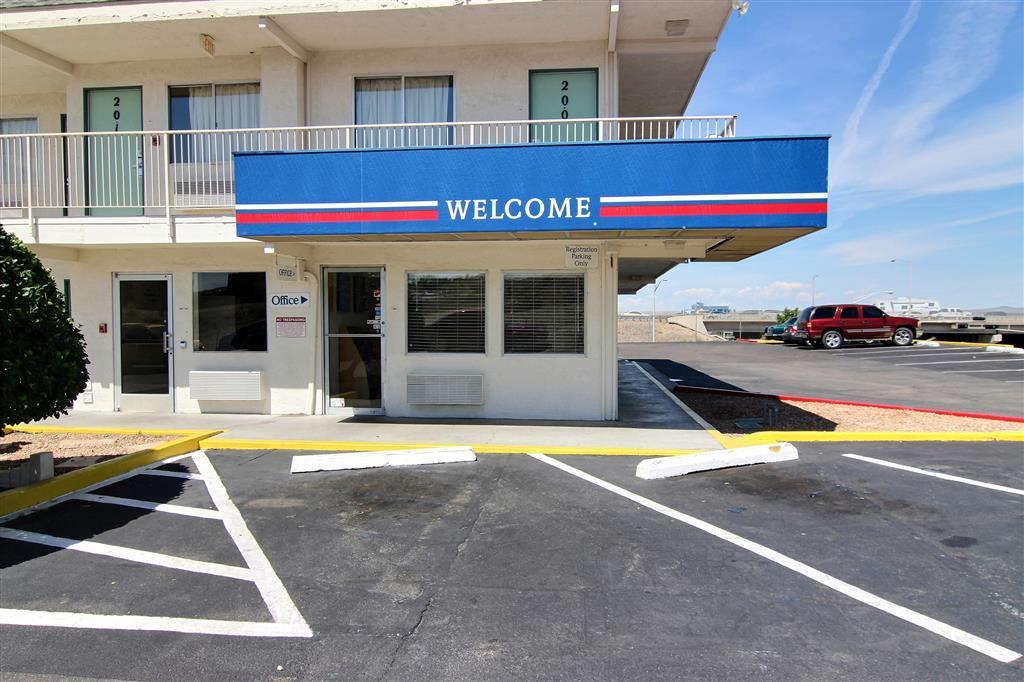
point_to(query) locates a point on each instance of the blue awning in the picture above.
(625, 187)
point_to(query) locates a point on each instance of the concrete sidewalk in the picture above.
(649, 421)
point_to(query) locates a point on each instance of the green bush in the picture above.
(42, 352)
(786, 314)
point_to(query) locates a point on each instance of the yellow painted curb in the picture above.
(29, 428)
(975, 345)
(486, 448)
(871, 436)
(17, 499)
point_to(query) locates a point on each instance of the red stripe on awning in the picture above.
(713, 209)
(336, 216)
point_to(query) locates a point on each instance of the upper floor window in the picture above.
(208, 107)
(405, 99)
(13, 161)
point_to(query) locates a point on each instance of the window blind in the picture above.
(446, 312)
(544, 313)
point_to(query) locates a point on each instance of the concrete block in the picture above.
(385, 458)
(40, 466)
(666, 467)
(928, 344)
(1005, 349)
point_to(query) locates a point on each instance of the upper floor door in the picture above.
(114, 162)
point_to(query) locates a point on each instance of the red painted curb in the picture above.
(883, 406)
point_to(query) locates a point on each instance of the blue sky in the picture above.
(925, 105)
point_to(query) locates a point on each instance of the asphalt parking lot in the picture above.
(225, 566)
(947, 377)
(975, 362)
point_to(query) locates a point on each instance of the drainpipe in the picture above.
(314, 295)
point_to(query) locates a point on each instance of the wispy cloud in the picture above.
(852, 128)
(915, 147)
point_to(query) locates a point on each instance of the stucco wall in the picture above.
(491, 81)
(515, 386)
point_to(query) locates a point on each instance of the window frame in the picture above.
(266, 308)
(213, 94)
(428, 353)
(403, 76)
(548, 273)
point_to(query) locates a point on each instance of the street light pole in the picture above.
(654, 297)
(812, 288)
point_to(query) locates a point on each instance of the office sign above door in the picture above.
(622, 186)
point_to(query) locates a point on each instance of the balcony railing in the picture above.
(154, 173)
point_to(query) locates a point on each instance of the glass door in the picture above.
(353, 327)
(144, 343)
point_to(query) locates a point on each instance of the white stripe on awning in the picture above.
(357, 204)
(712, 197)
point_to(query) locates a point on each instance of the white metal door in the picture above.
(353, 340)
(143, 343)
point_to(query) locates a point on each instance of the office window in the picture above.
(229, 311)
(446, 312)
(544, 313)
(209, 107)
(404, 99)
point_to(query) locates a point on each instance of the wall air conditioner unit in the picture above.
(445, 389)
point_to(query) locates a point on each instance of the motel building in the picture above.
(417, 208)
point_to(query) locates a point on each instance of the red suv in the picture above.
(830, 326)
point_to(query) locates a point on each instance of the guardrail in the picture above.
(128, 172)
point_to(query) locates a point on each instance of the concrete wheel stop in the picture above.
(385, 458)
(667, 467)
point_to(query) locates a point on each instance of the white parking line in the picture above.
(894, 352)
(956, 362)
(152, 506)
(278, 601)
(129, 554)
(977, 371)
(928, 353)
(936, 474)
(954, 634)
(198, 626)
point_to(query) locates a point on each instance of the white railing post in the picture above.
(29, 194)
(168, 185)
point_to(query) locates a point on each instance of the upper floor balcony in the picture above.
(173, 173)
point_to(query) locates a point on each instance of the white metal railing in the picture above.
(131, 173)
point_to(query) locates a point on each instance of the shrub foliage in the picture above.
(42, 352)
(786, 314)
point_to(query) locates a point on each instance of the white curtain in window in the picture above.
(200, 107)
(18, 126)
(428, 99)
(238, 105)
(378, 100)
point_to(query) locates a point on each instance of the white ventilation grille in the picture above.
(225, 385)
(445, 389)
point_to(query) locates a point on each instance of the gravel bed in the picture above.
(72, 450)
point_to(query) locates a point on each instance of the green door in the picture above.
(565, 95)
(114, 168)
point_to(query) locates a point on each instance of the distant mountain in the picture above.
(1004, 309)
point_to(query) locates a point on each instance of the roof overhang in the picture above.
(658, 72)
